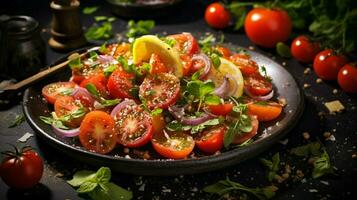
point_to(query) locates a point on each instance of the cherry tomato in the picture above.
(54, 90)
(197, 65)
(217, 16)
(266, 27)
(186, 63)
(158, 123)
(120, 83)
(246, 65)
(160, 91)
(304, 50)
(96, 132)
(347, 78)
(211, 141)
(157, 66)
(327, 64)
(99, 81)
(67, 106)
(185, 43)
(225, 52)
(265, 112)
(175, 145)
(239, 139)
(123, 49)
(258, 85)
(221, 109)
(84, 97)
(85, 72)
(21, 170)
(133, 126)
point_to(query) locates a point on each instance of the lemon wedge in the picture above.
(146, 45)
(233, 73)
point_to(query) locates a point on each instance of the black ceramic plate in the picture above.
(269, 133)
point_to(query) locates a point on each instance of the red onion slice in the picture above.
(66, 133)
(178, 114)
(121, 105)
(206, 60)
(223, 90)
(105, 59)
(259, 98)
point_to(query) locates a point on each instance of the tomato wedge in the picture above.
(157, 66)
(221, 109)
(225, 52)
(120, 83)
(55, 90)
(211, 141)
(133, 126)
(246, 65)
(265, 112)
(185, 43)
(257, 84)
(99, 81)
(175, 145)
(96, 132)
(186, 63)
(239, 139)
(160, 91)
(67, 105)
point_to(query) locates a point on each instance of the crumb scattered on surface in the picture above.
(334, 106)
(306, 135)
(307, 71)
(25, 137)
(251, 48)
(354, 156)
(283, 63)
(306, 85)
(319, 80)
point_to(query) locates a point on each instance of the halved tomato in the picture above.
(55, 90)
(246, 65)
(225, 52)
(85, 72)
(257, 84)
(221, 109)
(160, 91)
(265, 111)
(211, 140)
(96, 132)
(67, 105)
(174, 145)
(239, 139)
(186, 63)
(120, 83)
(133, 126)
(157, 66)
(99, 81)
(185, 43)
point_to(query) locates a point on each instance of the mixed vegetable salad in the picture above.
(173, 92)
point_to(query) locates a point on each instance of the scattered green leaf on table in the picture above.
(272, 165)
(322, 165)
(89, 10)
(139, 28)
(17, 121)
(283, 50)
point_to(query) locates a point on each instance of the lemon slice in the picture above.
(146, 45)
(233, 73)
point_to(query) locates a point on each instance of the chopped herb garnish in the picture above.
(171, 42)
(322, 165)
(103, 48)
(104, 102)
(101, 31)
(215, 60)
(142, 27)
(75, 62)
(17, 121)
(312, 148)
(156, 111)
(90, 10)
(100, 18)
(109, 70)
(272, 165)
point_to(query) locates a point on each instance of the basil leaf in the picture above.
(322, 165)
(200, 127)
(87, 187)
(193, 87)
(206, 88)
(89, 10)
(109, 70)
(100, 18)
(212, 100)
(103, 175)
(109, 102)
(170, 41)
(80, 177)
(93, 90)
(17, 121)
(305, 150)
(156, 111)
(103, 48)
(215, 60)
(75, 62)
(142, 27)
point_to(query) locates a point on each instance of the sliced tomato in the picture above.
(185, 43)
(197, 65)
(160, 91)
(257, 84)
(186, 63)
(265, 112)
(55, 90)
(239, 139)
(96, 132)
(133, 126)
(225, 52)
(83, 96)
(158, 123)
(221, 109)
(120, 83)
(67, 105)
(175, 145)
(99, 81)
(211, 141)
(246, 65)
(85, 72)
(157, 66)
(123, 49)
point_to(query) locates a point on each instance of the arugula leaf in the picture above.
(272, 165)
(142, 27)
(104, 102)
(17, 121)
(80, 177)
(90, 10)
(322, 165)
(225, 186)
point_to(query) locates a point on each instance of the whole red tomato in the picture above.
(347, 78)
(266, 27)
(21, 169)
(304, 50)
(327, 64)
(217, 16)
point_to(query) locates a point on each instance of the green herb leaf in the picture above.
(80, 177)
(103, 175)
(283, 50)
(200, 127)
(322, 165)
(171, 42)
(103, 48)
(308, 149)
(215, 60)
(142, 27)
(109, 70)
(174, 126)
(156, 111)
(101, 31)
(89, 10)
(93, 90)
(17, 121)
(212, 100)
(100, 18)
(87, 187)
(273, 166)
(75, 62)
